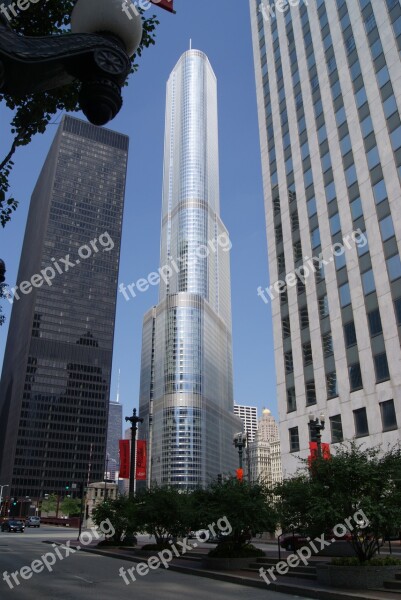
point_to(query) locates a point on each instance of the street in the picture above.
(81, 574)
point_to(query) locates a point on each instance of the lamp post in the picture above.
(239, 442)
(134, 420)
(96, 53)
(2, 486)
(317, 425)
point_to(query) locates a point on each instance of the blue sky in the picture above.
(222, 30)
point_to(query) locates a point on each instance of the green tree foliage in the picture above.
(355, 479)
(34, 112)
(50, 504)
(247, 506)
(166, 513)
(122, 514)
(71, 507)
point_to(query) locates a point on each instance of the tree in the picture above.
(355, 481)
(248, 507)
(49, 504)
(165, 512)
(71, 507)
(32, 113)
(122, 514)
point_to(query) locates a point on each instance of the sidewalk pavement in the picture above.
(191, 565)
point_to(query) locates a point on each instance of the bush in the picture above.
(232, 550)
(387, 561)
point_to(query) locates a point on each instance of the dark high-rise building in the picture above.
(55, 385)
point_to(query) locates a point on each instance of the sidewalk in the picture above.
(190, 564)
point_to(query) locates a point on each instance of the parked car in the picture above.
(293, 541)
(13, 526)
(32, 522)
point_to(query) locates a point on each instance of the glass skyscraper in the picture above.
(328, 84)
(186, 392)
(54, 393)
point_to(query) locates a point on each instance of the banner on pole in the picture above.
(166, 4)
(124, 447)
(141, 460)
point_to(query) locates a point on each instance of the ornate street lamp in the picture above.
(97, 53)
(239, 442)
(134, 420)
(317, 425)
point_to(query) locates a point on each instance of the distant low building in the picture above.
(95, 495)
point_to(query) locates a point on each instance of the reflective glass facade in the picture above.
(54, 395)
(186, 395)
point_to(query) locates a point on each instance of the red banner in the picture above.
(240, 474)
(313, 452)
(166, 4)
(141, 460)
(124, 446)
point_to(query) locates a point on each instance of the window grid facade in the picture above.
(330, 134)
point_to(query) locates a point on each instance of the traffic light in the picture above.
(67, 487)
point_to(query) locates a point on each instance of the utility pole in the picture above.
(134, 420)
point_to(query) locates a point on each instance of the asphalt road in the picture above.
(87, 576)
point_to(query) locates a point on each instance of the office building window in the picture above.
(315, 238)
(394, 267)
(355, 377)
(291, 400)
(294, 439)
(328, 348)
(380, 191)
(336, 427)
(304, 317)
(389, 418)
(368, 282)
(361, 422)
(307, 353)
(297, 251)
(331, 383)
(323, 307)
(387, 228)
(381, 367)
(375, 323)
(286, 327)
(281, 262)
(289, 364)
(350, 334)
(345, 295)
(310, 392)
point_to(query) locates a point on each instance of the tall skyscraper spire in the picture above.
(186, 393)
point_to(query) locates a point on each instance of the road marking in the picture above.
(83, 579)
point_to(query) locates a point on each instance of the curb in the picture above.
(286, 588)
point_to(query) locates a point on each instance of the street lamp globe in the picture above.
(108, 16)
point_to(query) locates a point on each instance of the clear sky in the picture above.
(222, 30)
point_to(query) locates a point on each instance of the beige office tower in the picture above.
(328, 80)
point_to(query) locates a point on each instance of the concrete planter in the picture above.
(226, 564)
(361, 578)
